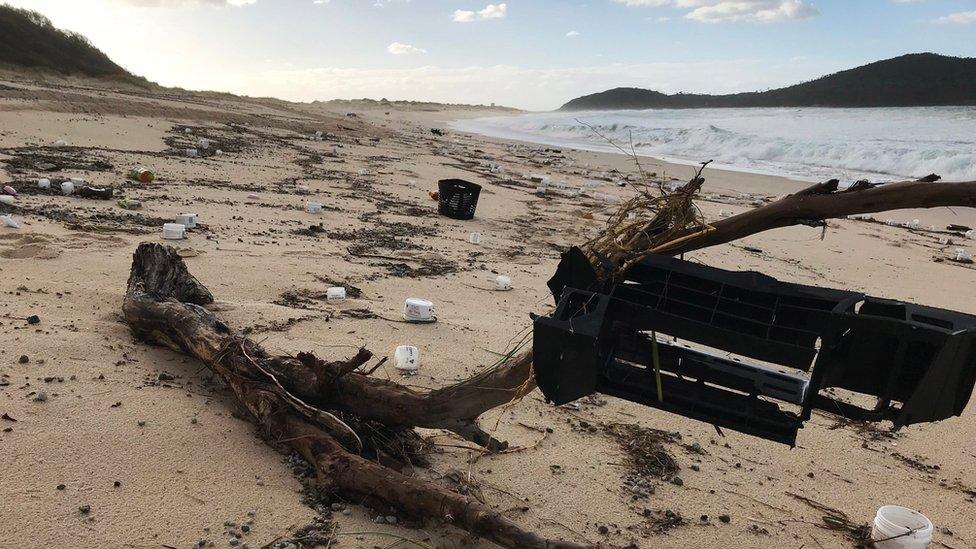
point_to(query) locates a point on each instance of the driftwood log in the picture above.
(330, 411)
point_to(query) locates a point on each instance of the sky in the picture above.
(530, 54)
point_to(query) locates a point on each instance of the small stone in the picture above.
(810, 474)
(346, 512)
(193, 421)
(391, 519)
(141, 423)
(695, 467)
(703, 518)
(117, 484)
(245, 528)
(61, 486)
(380, 519)
(24, 359)
(725, 518)
(336, 507)
(604, 530)
(33, 319)
(251, 513)
(677, 481)
(41, 397)
(85, 509)
(234, 542)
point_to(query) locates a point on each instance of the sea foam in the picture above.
(805, 143)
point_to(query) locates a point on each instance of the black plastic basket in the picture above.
(457, 198)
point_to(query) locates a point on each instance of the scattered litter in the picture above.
(145, 175)
(418, 310)
(962, 256)
(503, 283)
(314, 207)
(98, 193)
(7, 200)
(474, 238)
(898, 527)
(188, 220)
(9, 221)
(407, 359)
(129, 204)
(9, 190)
(43, 183)
(174, 231)
(67, 188)
(336, 294)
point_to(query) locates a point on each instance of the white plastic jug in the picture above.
(335, 294)
(418, 310)
(188, 220)
(901, 528)
(407, 359)
(174, 231)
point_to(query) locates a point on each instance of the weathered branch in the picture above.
(298, 400)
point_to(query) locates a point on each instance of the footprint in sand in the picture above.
(14, 246)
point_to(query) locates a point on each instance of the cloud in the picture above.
(398, 48)
(718, 11)
(572, 34)
(960, 18)
(491, 11)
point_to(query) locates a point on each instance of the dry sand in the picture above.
(156, 423)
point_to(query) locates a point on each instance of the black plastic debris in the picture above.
(730, 348)
(457, 198)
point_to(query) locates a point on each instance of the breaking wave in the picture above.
(805, 143)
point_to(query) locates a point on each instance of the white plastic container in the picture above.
(9, 221)
(474, 238)
(44, 183)
(503, 283)
(188, 220)
(7, 199)
(418, 310)
(313, 207)
(407, 359)
(336, 294)
(67, 188)
(174, 231)
(902, 528)
(963, 255)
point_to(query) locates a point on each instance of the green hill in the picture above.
(29, 40)
(920, 79)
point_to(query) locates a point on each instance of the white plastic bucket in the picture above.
(901, 528)
(418, 310)
(174, 231)
(44, 183)
(67, 188)
(188, 220)
(336, 294)
(407, 359)
(503, 283)
(474, 238)
(313, 207)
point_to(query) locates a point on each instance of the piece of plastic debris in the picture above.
(43, 183)
(313, 207)
(174, 231)
(7, 200)
(503, 283)
(336, 294)
(474, 238)
(898, 527)
(67, 188)
(418, 310)
(9, 190)
(9, 221)
(188, 220)
(407, 359)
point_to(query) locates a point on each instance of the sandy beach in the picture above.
(111, 442)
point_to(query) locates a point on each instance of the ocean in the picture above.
(810, 144)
